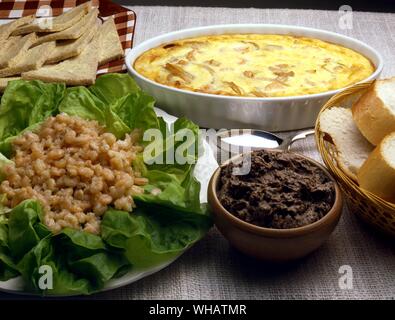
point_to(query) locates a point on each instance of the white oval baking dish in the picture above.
(216, 111)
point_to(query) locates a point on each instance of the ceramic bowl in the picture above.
(219, 111)
(269, 244)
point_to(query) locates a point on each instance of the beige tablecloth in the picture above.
(212, 269)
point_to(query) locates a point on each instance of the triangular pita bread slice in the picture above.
(71, 48)
(6, 44)
(33, 59)
(17, 50)
(80, 70)
(59, 23)
(111, 47)
(8, 28)
(74, 32)
(4, 82)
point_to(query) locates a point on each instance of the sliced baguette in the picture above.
(111, 47)
(16, 50)
(71, 48)
(74, 32)
(59, 23)
(374, 112)
(33, 59)
(377, 174)
(80, 70)
(352, 148)
(4, 82)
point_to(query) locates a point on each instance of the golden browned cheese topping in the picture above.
(254, 65)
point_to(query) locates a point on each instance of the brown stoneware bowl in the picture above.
(275, 245)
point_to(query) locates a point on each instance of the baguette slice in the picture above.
(71, 48)
(111, 47)
(33, 59)
(352, 148)
(59, 23)
(377, 174)
(74, 32)
(16, 50)
(4, 82)
(80, 70)
(7, 29)
(374, 112)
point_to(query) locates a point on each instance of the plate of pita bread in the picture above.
(68, 48)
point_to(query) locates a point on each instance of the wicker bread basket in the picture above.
(374, 210)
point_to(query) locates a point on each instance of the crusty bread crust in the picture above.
(377, 175)
(352, 148)
(374, 119)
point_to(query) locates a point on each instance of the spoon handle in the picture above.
(299, 136)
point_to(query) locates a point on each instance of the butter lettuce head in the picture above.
(163, 225)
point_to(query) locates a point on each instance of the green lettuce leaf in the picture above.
(64, 282)
(178, 151)
(133, 106)
(41, 254)
(79, 101)
(111, 87)
(8, 269)
(6, 144)
(179, 188)
(22, 233)
(3, 162)
(136, 111)
(88, 256)
(25, 103)
(100, 267)
(180, 195)
(81, 263)
(150, 235)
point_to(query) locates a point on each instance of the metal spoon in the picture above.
(253, 139)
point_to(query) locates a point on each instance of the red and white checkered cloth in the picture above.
(124, 20)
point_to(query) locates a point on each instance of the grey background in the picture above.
(212, 269)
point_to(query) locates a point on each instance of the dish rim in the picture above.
(148, 44)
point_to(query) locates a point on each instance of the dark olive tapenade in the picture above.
(281, 190)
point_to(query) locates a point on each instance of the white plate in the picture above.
(204, 168)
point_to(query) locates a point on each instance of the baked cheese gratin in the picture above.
(254, 65)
